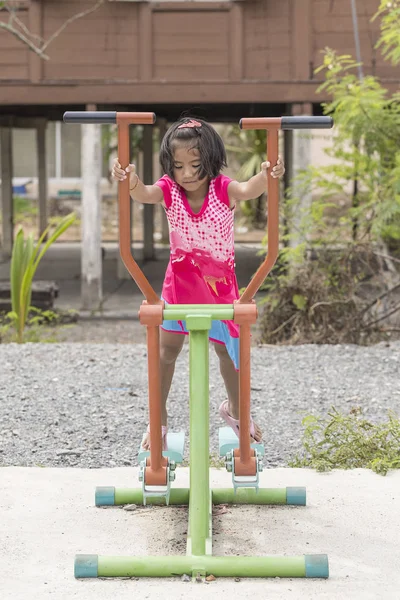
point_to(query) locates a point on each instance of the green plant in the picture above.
(349, 442)
(24, 262)
(389, 11)
(40, 326)
(23, 207)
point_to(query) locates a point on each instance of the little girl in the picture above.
(199, 203)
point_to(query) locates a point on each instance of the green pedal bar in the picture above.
(111, 496)
(181, 313)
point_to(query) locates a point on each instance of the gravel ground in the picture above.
(85, 404)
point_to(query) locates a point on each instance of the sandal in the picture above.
(234, 423)
(164, 430)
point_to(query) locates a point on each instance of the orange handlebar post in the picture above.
(124, 202)
(273, 126)
(138, 118)
(123, 120)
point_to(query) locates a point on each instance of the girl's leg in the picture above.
(170, 347)
(231, 380)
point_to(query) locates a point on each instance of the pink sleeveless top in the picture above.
(202, 259)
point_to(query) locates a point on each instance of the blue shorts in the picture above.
(218, 333)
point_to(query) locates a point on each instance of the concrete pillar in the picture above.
(6, 191)
(91, 278)
(42, 174)
(148, 209)
(301, 158)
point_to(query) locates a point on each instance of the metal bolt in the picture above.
(172, 465)
(141, 475)
(172, 475)
(229, 467)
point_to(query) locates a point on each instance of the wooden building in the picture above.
(166, 54)
(223, 59)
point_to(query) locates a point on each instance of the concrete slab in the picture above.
(48, 516)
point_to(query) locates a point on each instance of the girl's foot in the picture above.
(145, 445)
(229, 418)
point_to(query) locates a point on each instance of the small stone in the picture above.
(130, 507)
(211, 578)
(68, 453)
(237, 579)
(185, 578)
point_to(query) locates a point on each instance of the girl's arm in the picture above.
(254, 187)
(145, 194)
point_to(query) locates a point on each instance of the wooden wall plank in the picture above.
(14, 72)
(172, 91)
(236, 39)
(301, 49)
(190, 31)
(89, 72)
(182, 41)
(332, 26)
(145, 42)
(14, 57)
(267, 42)
(200, 73)
(82, 57)
(35, 16)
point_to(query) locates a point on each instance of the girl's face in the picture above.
(187, 167)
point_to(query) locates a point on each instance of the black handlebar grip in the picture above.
(87, 116)
(306, 122)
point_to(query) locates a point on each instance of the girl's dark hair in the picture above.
(204, 138)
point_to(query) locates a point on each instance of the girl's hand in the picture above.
(118, 173)
(278, 170)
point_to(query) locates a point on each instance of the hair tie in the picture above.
(190, 123)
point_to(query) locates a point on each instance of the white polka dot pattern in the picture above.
(210, 231)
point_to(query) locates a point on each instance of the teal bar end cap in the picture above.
(317, 565)
(86, 565)
(296, 496)
(104, 496)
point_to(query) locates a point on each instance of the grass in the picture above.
(341, 441)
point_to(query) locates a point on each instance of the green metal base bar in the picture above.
(92, 565)
(289, 495)
(111, 496)
(296, 496)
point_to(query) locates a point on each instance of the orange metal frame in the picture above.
(151, 311)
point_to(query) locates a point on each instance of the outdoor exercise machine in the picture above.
(243, 459)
